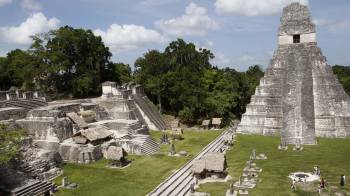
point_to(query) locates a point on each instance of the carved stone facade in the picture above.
(299, 97)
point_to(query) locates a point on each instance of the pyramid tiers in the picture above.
(299, 97)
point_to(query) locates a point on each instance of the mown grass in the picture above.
(144, 174)
(332, 155)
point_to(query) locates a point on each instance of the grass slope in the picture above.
(332, 155)
(144, 174)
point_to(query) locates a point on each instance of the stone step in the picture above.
(27, 169)
(185, 188)
(176, 181)
(28, 104)
(179, 182)
(34, 169)
(156, 112)
(37, 188)
(185, 191)
(150, 146)
(149, 109)
(148, 152)
(24, 188)
(146, 109)
(185, 179)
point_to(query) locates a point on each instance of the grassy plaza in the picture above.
(330, 154)
(144, 173)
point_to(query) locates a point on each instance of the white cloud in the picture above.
(333, 26)
(35, 24)
(204, 44)
(253, 7)
(247, 58)
(31, 5)
(128, 37)
(221, 60)
(2, 53)
(4, 2)
(338, 26)
(194, 22)
(321, 22)
(241, 62)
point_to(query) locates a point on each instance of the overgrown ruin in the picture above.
(77, 131)
(299, 97)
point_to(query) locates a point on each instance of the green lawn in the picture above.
(144, 174)
(332, 155)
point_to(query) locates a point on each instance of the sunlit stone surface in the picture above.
(299, 97)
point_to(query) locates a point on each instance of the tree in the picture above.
(184, 83)
(173, 78)
(66, 62)
(18, 69)
(343, 74)
(10, 143)
(4, 77)
(224, 94)
(117, 72)
(152, 70)
(248, 82)
(73, 61)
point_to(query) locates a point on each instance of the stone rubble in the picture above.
(79, 131)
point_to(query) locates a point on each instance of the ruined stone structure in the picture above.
(79, 131)
(17, 98)
(14, 103)
(132, 94)
(299, 97)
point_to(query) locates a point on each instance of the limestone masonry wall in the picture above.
(299, 97)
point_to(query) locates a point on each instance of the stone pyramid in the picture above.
(299, 97)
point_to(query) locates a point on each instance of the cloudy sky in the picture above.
(239, 32)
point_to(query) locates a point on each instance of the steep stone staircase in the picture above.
(37, 188)
(41, 169)
(25, 103)
(138, 129)
(149, 146)
(150, 111)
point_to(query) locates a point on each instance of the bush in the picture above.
(10, 143)
(186, 115)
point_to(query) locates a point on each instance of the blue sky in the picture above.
(239, 32)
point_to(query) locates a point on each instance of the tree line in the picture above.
(343, 74)
(180, 80)
(72, 63)
(66, 62)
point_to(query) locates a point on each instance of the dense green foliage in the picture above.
(63, 62)
(184, 83)
(70, 62)
(343, 74)
(329, 154)
(10, 143)
(143, 175)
